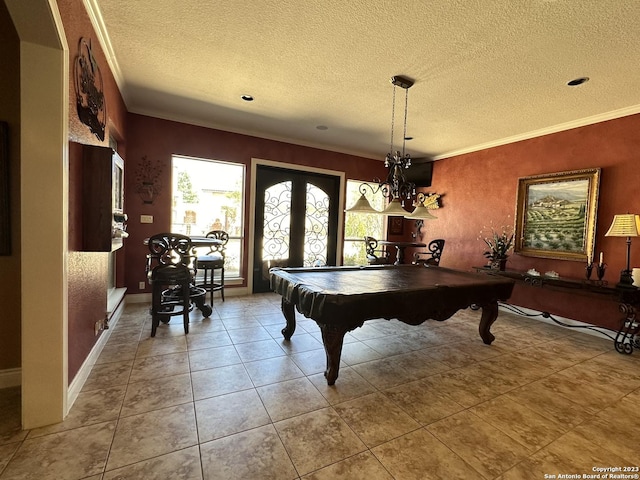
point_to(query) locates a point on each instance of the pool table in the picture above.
(341, 299)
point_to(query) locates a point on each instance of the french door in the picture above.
(296, 221)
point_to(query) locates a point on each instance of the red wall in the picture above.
(159, 139)
(479, 189)
(88, 271)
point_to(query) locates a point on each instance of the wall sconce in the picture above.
(627, 225)
(148, 183)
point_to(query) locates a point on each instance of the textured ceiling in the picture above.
(486, 72)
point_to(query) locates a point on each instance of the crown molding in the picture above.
(602, 117)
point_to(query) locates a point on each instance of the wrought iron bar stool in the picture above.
(213, 262)
(170, 271)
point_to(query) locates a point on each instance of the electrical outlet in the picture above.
(146, 218)
(142, 286)
(98, 327)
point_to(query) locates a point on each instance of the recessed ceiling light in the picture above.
(247, 98)
(577, 81)
(322, 127)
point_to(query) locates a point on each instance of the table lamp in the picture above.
(627, 225)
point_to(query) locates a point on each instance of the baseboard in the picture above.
(11, 377)
(85, 370)
(569, 324)
(228, 292)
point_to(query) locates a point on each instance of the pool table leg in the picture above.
(290, 315)
(332, 338)
(489, 315)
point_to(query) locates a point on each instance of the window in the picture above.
(357, 225)
(207, 195)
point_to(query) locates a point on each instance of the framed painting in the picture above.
(556, 215)
(5, 220)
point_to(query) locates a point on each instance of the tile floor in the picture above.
(233, 400)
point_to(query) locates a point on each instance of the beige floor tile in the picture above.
(7, 451)
(569, 402)
(180, 465)
(148, 435)
(351, 385)
(529, 428)
(225, 415)
(317, 439)
(384, 373)
(73, 454)
(420, 456)
(376, 419)
(148, 368)
(272, 370)
(117, 353)
(219, 381)
(150, 347)
(218, 338)
(252, 351)
(358, 352)
(92, 407)
(363, 466)
(546, 401)
(213, 357)
(616, 430)
(422, 402)
(250, 334)
(300, 342)
(160, 392)
(484, 447)
(570, 454)
(290, 398)
(255, 454)
(106, 375)
(312, 361)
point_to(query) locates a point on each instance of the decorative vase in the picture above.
(499, 264)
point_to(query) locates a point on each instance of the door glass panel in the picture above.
(316, 232)
(276, 236)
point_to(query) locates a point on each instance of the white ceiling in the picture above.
(487, 72)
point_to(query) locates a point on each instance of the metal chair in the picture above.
(170, 271)
(375, 256)
(432, 256)
(213, 261)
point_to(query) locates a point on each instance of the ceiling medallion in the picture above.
(90, 104)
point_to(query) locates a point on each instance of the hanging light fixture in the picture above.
(396, 188)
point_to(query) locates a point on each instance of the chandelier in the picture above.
(396, 188)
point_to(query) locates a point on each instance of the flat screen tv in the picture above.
(420, 172)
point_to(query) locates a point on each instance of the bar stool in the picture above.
(170, 272)
(213, 261)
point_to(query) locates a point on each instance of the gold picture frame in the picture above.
(556, 215)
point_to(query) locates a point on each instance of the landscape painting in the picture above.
(556, 215)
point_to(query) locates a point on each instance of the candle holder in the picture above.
(589, 270)
(600, 270)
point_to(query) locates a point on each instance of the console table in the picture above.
(627, 337)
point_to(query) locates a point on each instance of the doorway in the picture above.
(296, 221)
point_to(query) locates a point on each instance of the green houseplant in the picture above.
(499, 245)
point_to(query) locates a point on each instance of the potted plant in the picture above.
(499, 244)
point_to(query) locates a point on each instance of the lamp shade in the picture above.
(362, 206)
(395, 208)
(626, 225)
(421, 213)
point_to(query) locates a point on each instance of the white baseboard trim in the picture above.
(228, 292)
(586, 328)
(85, 370)
(10, 377)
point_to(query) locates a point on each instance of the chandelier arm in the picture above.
(393, 118)
(404, 135)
